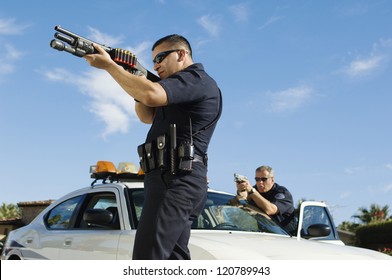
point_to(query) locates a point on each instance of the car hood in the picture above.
(235, 245)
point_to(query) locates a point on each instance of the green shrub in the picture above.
(375, 233)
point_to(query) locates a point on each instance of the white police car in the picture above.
(100, 222)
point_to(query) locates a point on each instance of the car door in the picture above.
(50, 232)
(94, 241)
(316, 223)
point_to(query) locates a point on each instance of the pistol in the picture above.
(79, 46)
(239, 178)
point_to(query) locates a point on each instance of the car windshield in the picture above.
(218, 215)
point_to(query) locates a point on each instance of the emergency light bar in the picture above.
(106, 170)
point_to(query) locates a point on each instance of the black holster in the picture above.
(153, 155)
(161, 152)
(159, 155)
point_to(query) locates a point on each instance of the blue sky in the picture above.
(306, 87)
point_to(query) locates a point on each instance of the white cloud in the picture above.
(211, 24)
(102, 38)
(115, 119)
(382, 44)
(10, 27)
(6, 68)
(271, 21)
(143, 53)
(8, 53)
(12, 53)
(361, 67)
(353, 170)
(367, 65)
(240, 12)
(60, 75)
(387, 188)
(142, 50)
(389, 165)
(290, 99)
(353, 10)
(109, 103)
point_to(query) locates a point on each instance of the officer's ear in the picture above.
(181, 55)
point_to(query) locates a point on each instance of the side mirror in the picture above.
(98, 217)
(317, 230)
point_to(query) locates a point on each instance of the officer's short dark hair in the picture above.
(176, 41)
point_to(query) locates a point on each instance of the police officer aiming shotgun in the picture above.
(183, 108)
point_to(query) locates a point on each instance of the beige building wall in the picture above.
(31, 209)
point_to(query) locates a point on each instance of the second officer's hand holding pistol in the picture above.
(243, 186)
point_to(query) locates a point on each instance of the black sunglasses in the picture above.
(162, 55)
(257, 179)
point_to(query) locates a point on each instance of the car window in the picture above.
(135, 206)
(60, 216)
(317, 215)
(216, 215)
(267, 225)
(100, 200)
(228, 217)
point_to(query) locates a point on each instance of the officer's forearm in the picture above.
(145, 114)
(264, 204)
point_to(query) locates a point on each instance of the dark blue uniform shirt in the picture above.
(191, 93)
(282, 198)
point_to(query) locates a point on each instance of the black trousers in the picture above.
(171, 203)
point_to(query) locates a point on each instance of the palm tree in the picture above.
(375, 214)
(9, 211)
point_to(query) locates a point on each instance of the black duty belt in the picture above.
(156, 155)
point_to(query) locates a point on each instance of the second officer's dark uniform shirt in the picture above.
(282, 198)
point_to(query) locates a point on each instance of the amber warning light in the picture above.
(106, 170)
